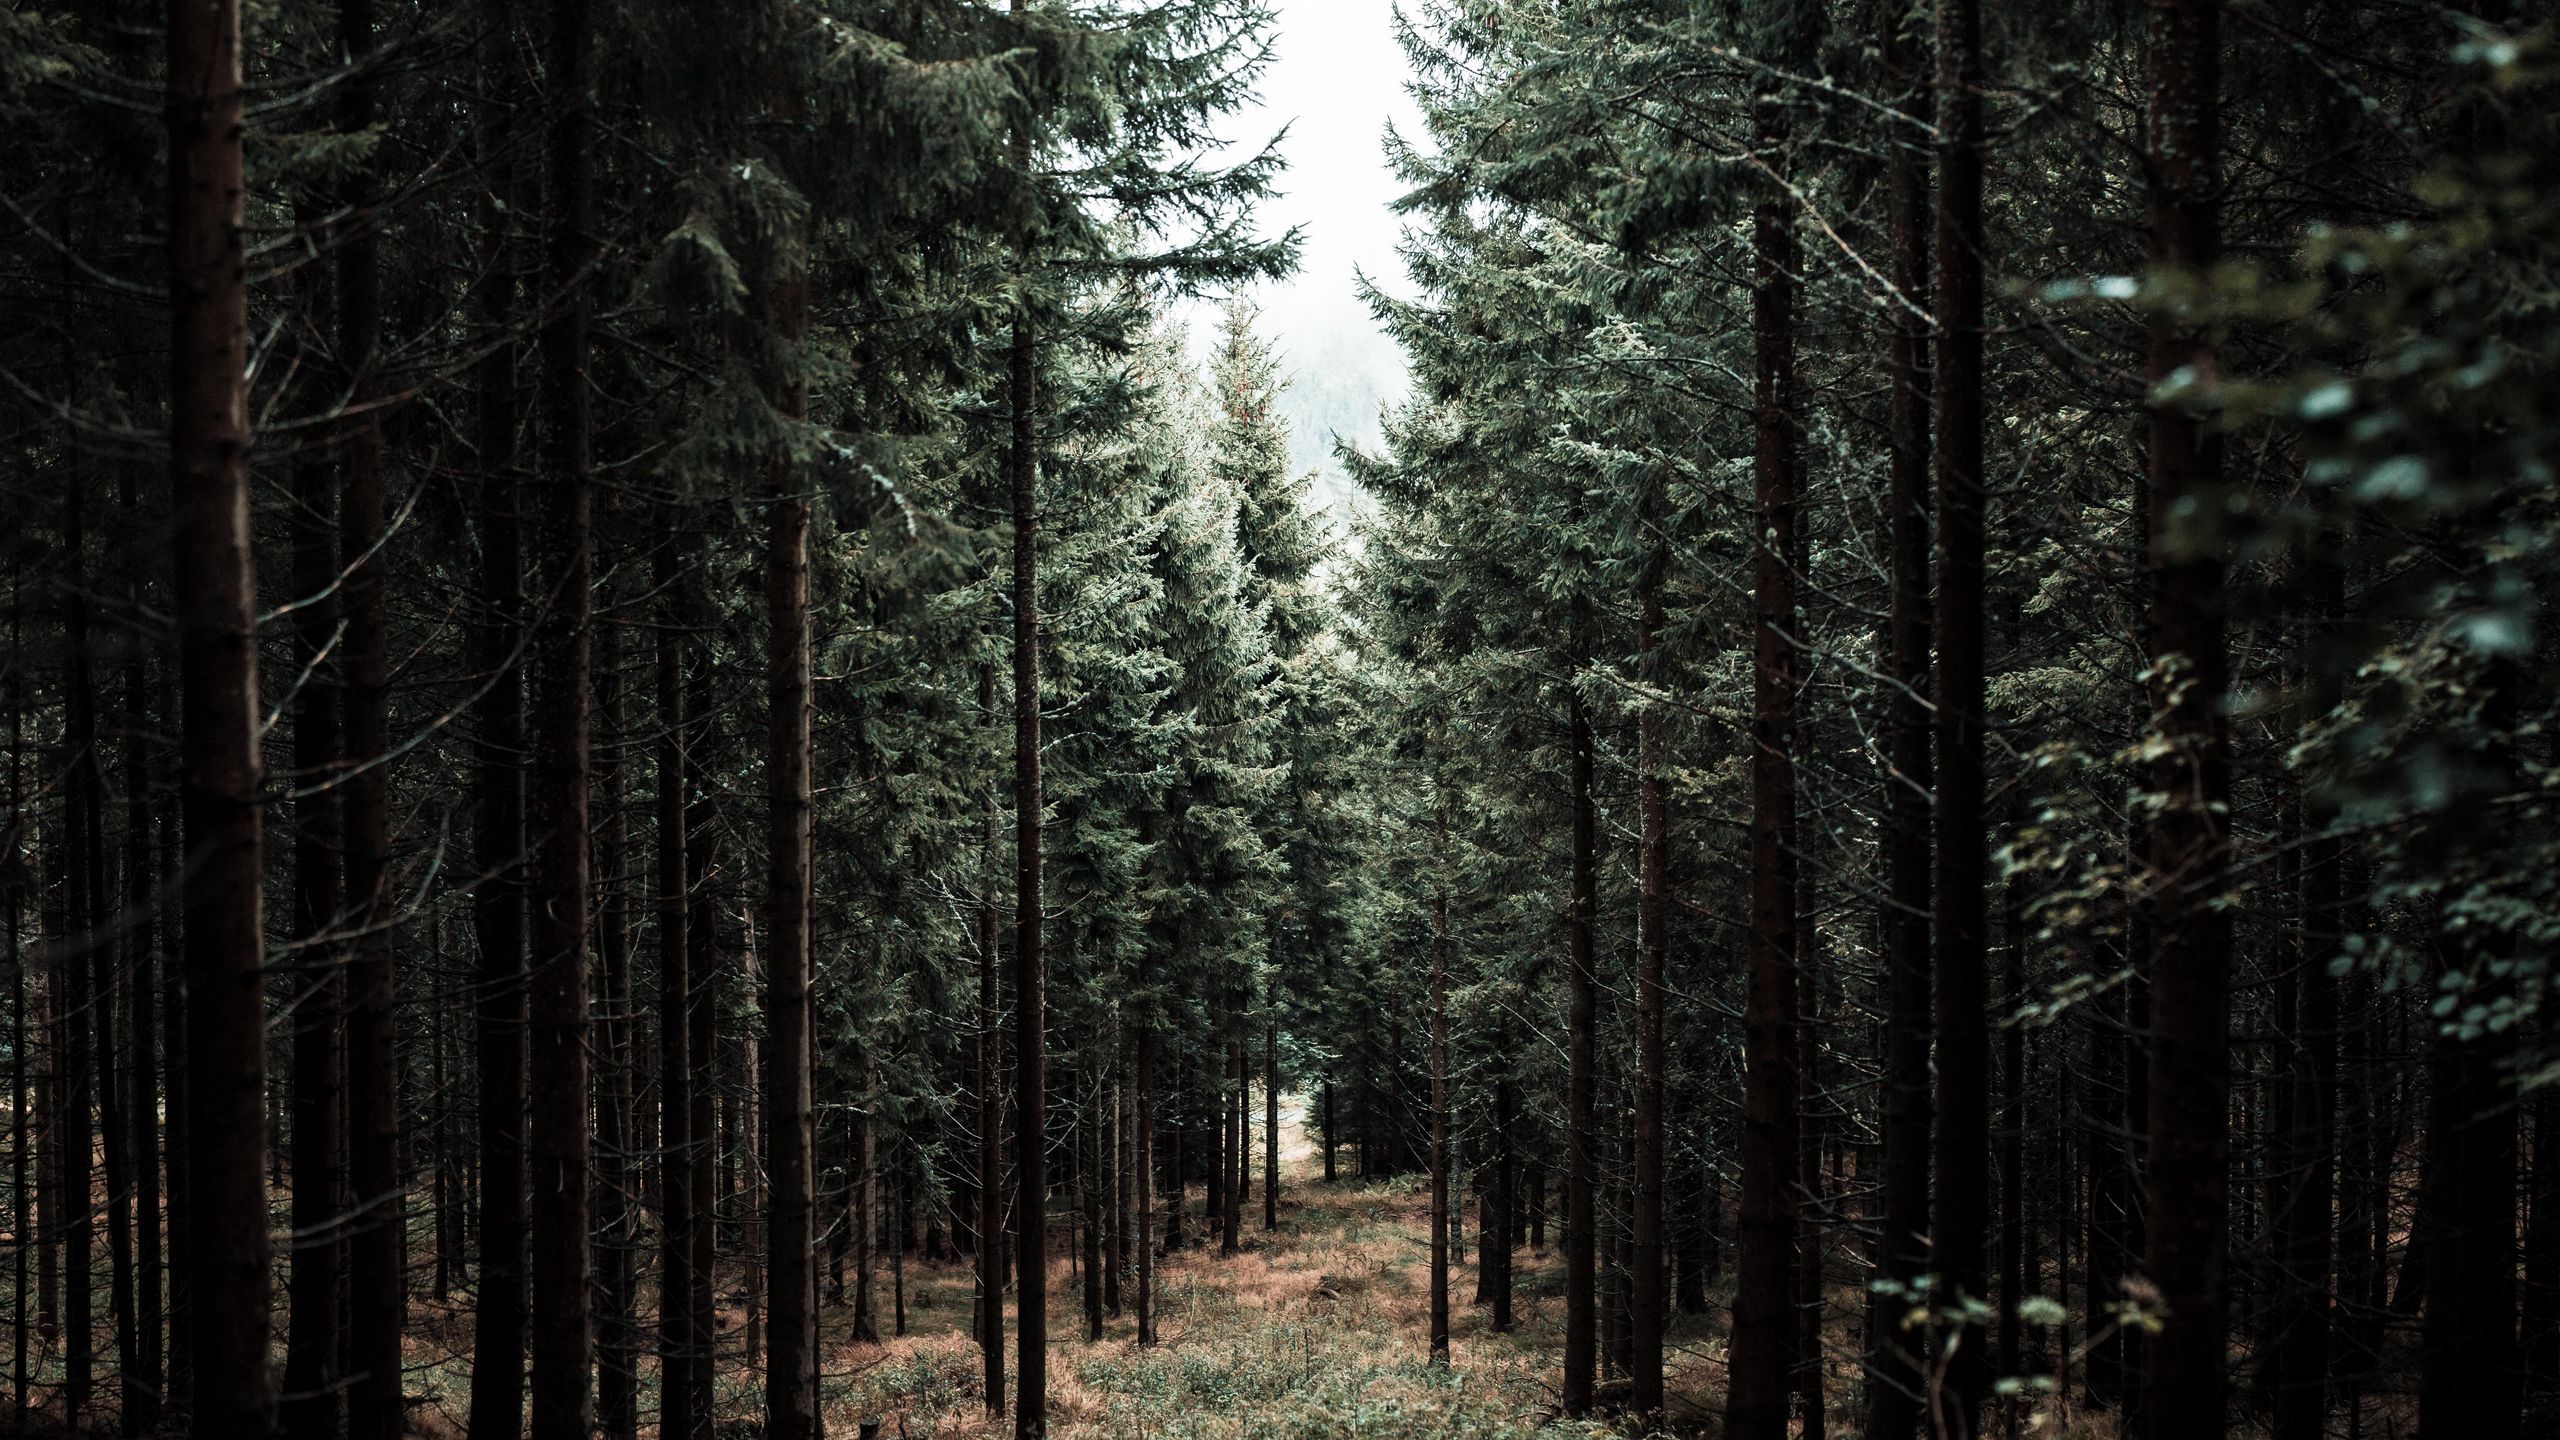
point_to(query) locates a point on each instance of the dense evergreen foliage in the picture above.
(650, 680)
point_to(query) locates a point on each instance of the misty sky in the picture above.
(1336, 80)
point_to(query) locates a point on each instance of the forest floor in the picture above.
(1320, 1328)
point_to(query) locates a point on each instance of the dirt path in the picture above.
(1316, 1330)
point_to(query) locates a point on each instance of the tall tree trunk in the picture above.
(84, 983)
(1091, 1136)
(616, 1037)
(1895, 1386)
(2016, 1266)
(2304, 1221)
(2470, 1378)
(2186, 1180)
(143, 1392)
(791, 1376)
(174, 1123)
(1144, 1171)
(1502, 1237)
(562, 1388)
(312, 1395)
(498, 904)
(376, 1295)
(1328, 1131)
(1764, 1314)
(1440, 1127)
(1961, 1221)
(1030, 1014)
(20, 1102)
(214, 599)
(1271, 1123)
(1582, 1161)
(678, 1145)
(702, 1021)
(991, 1190)
(1648, 1312)
(866, 1208)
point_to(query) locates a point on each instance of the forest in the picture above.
(685, 759)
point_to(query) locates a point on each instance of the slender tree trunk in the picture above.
(1764, 1315)
(175, 1125)
(1582, 1161)
(498, 904)
(678, 1145)
(2470, 1376)
(1962, 1158)
(1030, 1015)
(83, 985)
(1501, 1238)
(313, 1397)
(1090, 1139)
(562, 1390)
(1328, 1131)
(2188, 1154)
(2306, 1215)
(143, 1389)
(991, 1189)
(1440, 1127)
(2015, 1266)
(702, 1021)
(214, 600)
(1648, 1313)
(1895, 1386)
(1145, 1170)
(20, 1102)
(866, 1210)
(791, 1376)
(376, 1295)
(1270, 1123)
(617, 1041)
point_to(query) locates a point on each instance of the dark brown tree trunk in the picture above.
(1502, 1236)
(20, 1105)
(1440, 1127)
(143, 1388)
(2305, 1217)
(2541, 1293)
(174, 1117)
(84, 984)
(866, 1211)
(1647, 1312)
(1144, 1171)
(1091, 1137)
(679, 1148)
(214, 600)
(376, 1234)
(1961, 1160)
(991, 1190)
(1895, 1386)
(791, 1375)
(1764, 1310)
(1270, 1123)
(702, 1037)
(498, 904)
(1030, 1014)
(1582, 1160)
(2188, 1155)
(313, 1398)
(617, 1041)
(562, 1387)
(1329, 1175)
(2469, 1380)
(2015, 1264)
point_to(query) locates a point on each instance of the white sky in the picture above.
(1336, 80)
